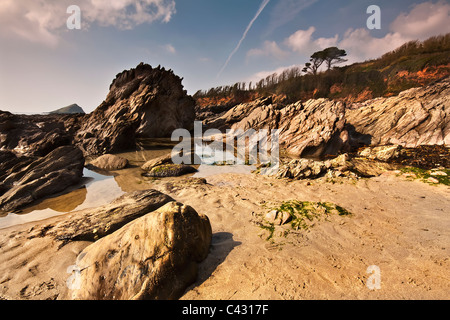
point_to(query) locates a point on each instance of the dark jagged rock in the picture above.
(144, 102)
(36, 135)
(40, 177)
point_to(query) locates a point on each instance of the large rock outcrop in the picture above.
(418, 116)
(314, 128)
(29, 179)
(144, 102)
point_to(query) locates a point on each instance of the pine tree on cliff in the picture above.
(333, 55)
(330, 56)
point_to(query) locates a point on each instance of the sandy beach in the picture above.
(399, 225)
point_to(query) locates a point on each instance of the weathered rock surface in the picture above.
(418, 116)
(381, 153)
(39, 177)
(153, 257)
(109, 162)
(144, 102)
(314, 128)
(95, 223)
(36, 135)
(278, 218)
(371, 168)
(308, 168)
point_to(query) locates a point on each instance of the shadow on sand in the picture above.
(222, 244)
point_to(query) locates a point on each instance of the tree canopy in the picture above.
(330, 56)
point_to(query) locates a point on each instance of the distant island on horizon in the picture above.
(70, 109)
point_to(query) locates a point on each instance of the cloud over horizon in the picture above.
(42, 21)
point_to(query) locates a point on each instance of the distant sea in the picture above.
(31, 113)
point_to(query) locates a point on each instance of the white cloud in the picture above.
(42, 21)
(169, 48)
(302, 41)
(269, 49)
(126, 14)
(423, 21)
(360, 45)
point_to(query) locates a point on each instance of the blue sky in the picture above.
(44, 65)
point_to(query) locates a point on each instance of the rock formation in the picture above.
(36, 135)
(169, 170)
(314, 128)
(308, 168)
(39, 177)
(109, 162)
(143, 102)
(418, 116)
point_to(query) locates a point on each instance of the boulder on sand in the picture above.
(153, 257)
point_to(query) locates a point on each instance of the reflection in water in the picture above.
(97, 190)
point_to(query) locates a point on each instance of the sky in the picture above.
(44, 65)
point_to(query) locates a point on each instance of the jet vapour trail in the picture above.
(261, 8)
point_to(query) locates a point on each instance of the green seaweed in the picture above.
(424, 174)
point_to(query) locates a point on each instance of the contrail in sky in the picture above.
(261, 8)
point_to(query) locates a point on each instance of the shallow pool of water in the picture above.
(95, 190)
(98, 189)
